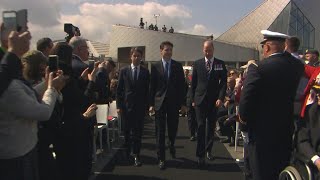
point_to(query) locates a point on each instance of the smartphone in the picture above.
(9, 19)
(53, 63)
(91, 65)
(22, 20)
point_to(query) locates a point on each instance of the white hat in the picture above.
(269, 35)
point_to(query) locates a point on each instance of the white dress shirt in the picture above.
(132, 71)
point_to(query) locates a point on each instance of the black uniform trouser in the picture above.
(206, 119)
(46, 161)
(167, 114)
(267, 161)
(192, 122)
(74, 155)
(133, 132)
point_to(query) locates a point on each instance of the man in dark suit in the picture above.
(132, 102)
(209, 78)
(266, 105)
(167, 96)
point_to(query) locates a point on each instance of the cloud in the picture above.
(95, 20)
(199, 29)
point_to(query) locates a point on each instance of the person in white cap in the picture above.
(266, 105)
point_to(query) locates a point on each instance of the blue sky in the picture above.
(95, 17)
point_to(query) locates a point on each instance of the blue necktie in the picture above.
(166, 71)
(135, 72)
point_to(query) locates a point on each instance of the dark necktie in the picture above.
(208, 65)
(166, 71)
(135, 74)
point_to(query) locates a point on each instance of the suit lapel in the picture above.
(141, 73)
(130, 75)
(203, 68)
(172, 69)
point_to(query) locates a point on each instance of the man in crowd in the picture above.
(209, 78)
(167, 96)
(312, 56)
(266, 105)
(132, 103)
(45, 45)
(292, 46)
(80, 55)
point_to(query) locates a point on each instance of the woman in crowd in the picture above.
(20, 110)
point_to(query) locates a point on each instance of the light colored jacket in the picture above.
(20, 111)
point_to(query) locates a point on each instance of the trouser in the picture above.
(46, 161)
(267, 161)
(74, 156)
(192, 122)
(166, 115)
(20, 168)
(133, 132)
(206, 119)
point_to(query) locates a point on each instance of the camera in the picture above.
(71, 30)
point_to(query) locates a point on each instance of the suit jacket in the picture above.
(174, 89)
(78, 66)
(103, 86)
(267, 97)
(309, 135)
(212, 86)
(133, 96)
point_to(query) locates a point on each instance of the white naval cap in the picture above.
(270, 35)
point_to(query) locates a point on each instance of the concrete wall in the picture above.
(186, 47)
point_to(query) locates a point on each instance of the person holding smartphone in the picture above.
(18, 122)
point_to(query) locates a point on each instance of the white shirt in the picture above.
(211, 62)
(132, 71)
(273, 54)
(164, 65)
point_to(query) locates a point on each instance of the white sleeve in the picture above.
(21, 102)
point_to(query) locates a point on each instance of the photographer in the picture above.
(73, 148)
(18, 122)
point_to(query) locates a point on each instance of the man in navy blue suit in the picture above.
(167, 96)
(132, 102)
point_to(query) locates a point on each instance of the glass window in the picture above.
(301, 27)
(312, 37)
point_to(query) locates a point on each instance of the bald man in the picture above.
(209, 79)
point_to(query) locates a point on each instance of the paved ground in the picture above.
(114, 166)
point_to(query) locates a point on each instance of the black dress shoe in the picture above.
(162, 165)
(201, 162)
(137, 162)
(192, 138)
(173, 152)
(209, 156)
